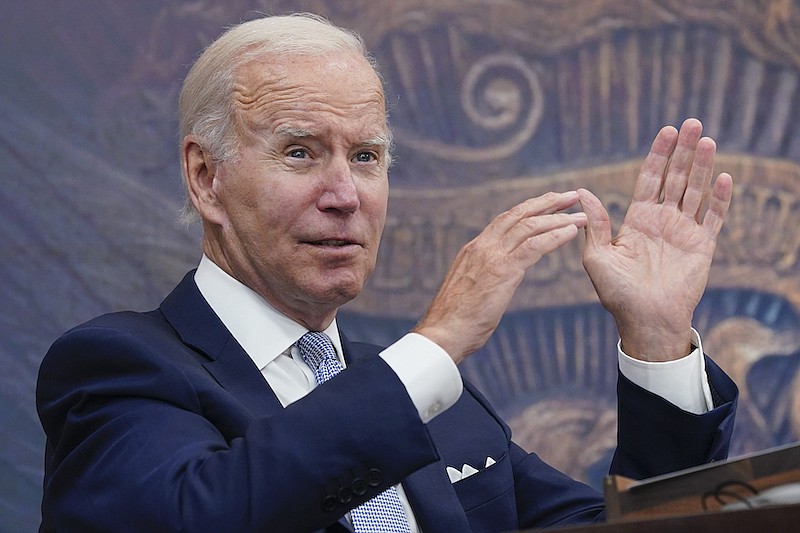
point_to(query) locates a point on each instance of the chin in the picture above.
(335, 286)
(342, 295)
(334, 293)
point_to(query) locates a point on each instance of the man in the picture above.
(206, 414)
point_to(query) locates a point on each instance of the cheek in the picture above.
(375, 203)
(250, 218)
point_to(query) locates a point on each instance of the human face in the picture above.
(301, 210)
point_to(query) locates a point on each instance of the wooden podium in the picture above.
(779, 519)
(758, 492)
(766, 477)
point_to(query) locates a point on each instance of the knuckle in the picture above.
(518, 211)
(550, 196)
(472, 247)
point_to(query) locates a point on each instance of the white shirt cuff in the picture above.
(682, 382)
(428, 373)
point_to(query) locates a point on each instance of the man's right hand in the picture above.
(487, 271)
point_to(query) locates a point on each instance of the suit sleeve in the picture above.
(137, 441)
(654, 437)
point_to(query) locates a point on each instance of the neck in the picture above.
(312, 317)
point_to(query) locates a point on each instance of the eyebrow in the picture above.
(291, 132)
(382, 140)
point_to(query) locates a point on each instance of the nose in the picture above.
(339, 191)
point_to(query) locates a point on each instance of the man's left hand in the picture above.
(652, 275)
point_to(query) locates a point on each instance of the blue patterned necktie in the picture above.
(384, 513)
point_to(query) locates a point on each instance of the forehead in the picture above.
(332, 91)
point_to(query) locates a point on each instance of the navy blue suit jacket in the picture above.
(160, 421)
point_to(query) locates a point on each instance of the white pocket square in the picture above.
(467, 470)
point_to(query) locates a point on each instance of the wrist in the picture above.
(441, 338)
(656, 345)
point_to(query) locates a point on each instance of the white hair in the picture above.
(205, 105)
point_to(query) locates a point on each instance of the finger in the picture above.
(699, 184)
(719, 205)
(531, 227)
(543, 243)
(551, 202)
(598, 223)
(651, 177)
(680, 163)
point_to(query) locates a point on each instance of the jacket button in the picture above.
(359, 486)
(345, 494)
(374, 477)
(329, 503)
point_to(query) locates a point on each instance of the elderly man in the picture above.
(238, 405)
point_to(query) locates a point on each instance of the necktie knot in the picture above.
(319, 354)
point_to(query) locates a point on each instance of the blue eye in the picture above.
(298, 153)
(364, 157)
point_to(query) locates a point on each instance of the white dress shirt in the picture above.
(429, 375)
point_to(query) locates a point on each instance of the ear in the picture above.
(200, 172)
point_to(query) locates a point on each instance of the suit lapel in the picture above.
(430, 493)
(199, 327)
(236, 372)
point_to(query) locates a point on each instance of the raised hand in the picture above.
(651, 276)
(479, 286)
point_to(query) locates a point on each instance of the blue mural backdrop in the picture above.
(491, 102)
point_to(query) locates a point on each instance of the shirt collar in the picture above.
(263, 331)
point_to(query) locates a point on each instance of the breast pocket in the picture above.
(489, 483)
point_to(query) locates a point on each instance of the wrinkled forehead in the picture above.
(342, 86)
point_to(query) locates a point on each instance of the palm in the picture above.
(652, 274)
(660, 255)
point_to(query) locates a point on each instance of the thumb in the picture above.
(598, 225)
